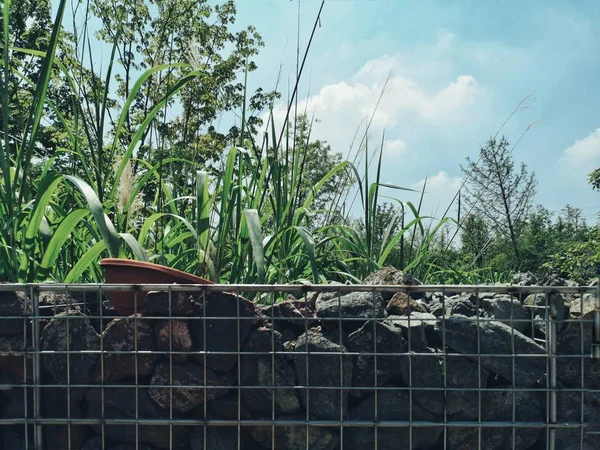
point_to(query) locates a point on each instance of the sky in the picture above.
(458, 70)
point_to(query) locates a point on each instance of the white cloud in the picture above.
(584, 152)
(439, 192)
(346, 106)
(394, 148)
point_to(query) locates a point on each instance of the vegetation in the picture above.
(129, 162)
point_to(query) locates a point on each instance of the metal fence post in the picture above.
(552, 315)
(37, 369)
(596, 325)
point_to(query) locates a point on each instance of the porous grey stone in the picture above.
(323, 370)
(495, 338)
(264, 369)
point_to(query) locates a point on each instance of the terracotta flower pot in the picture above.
(127, 271)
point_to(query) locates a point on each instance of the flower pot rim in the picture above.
(123, 262)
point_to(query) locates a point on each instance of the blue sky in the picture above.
(459, 70)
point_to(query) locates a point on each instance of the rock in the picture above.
(391, 405)
(181, 303)
(461, 334)
(120, 336)
(225, 333)
(227, 407)
(539, 305)
(462, 373)
(498, 407)
(391, 276)
(174, 336)
(192, 387)
(18, 305)
(131, 447)
(120, 403)
(60, 437)
(582, 307)
(294, 437)
(568, 408)
(265, 369)
(322, 370)
(52, 303)
(525, 279)
(417, 329)
(16, 360)
(288, 313)
(509, 311)
(94, 443)
(13, 402)
(352, 308)
(425, 373)
(70, 331)
(401, 304)
(13, 438)
(217, 438)
(380, 338)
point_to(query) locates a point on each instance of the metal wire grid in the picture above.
(35, 422)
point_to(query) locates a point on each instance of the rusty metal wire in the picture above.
(486, 367)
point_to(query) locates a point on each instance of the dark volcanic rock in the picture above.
(352, 308)
(192, 389)
(120, 403)
(228, 319)
(294, 437)
(322, 370)
(180, 304)
(70, 331)
(226, 407)
(217, 438)
(497, 406)
(14, 304)
(389, 276)
(391, 405)
(16, 363)
(495, 338)
(13, 438)
(425, 372)
(417, 329)
(57, 403)
(291, 313)
(541, 304)
(12, 404)
(509, 311)
(380, 338)
(264, 369)
(94, 443)
(568, 406)
(174, 336)
(401, 304)
(120, 336)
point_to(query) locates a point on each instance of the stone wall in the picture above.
(431, 356)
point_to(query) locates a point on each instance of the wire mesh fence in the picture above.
(301, 367)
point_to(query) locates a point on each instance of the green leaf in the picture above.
(60, 236)
(107, 229)
(135, 247)
(309, 245)
(84, 262)
(256, 239)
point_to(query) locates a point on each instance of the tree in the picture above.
(499, 192)
(194, 32)
(475, 240)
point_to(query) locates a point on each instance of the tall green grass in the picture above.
(248, 222)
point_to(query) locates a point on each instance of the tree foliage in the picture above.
(499, 192)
